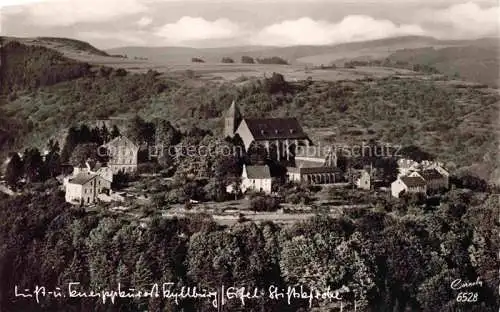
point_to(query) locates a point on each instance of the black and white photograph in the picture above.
(249, 155)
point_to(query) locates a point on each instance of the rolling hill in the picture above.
(475, 60)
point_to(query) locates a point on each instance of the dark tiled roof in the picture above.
(82, 178)
(122, 141)
(95, 165)
(431, 174)
(308, 163)
(319, 170)
(275, 128)
(413, 181)
(258, 172)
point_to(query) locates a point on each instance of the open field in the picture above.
(305, 60)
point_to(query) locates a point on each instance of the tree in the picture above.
(247, 59)
(415, 153)
(70, 142)
(14, 170)
(197, 60)
(227, 60)
(166, 136)
(84, 152)
(158, 200)
(115, 132)
(272, 60)
(277, 84)
(140, 131)
(264, 203)
(33, 163)
(52, 163)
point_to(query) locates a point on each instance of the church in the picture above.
(282, 136)
(281, 139)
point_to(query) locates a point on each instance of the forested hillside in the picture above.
(473, 62)
(399, 261)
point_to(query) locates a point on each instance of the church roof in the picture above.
(275, 128)
(258, 172)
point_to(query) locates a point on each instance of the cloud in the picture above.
(465, 20)
(67, 12)
(144, 21)
(189, 29)
(352, 28)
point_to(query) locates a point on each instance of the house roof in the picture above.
(413, 181)
(258, 172)
(304, 163)
(275, 128)
(122, 141)
(431, 174)
(95, 165)
(82, 178)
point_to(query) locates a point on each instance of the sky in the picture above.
(217, 23)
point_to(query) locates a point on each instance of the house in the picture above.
(92, 167)
(406, 166)
(256, 178)
(313, 170)
(123, 155)
(280, 134)
(86, 183)
(100, 169)
(434, 179)
(408, 184)
(85, 187)
(364, 180)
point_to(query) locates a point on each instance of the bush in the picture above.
(272, 60)
(247, 60)
(197, 60)
(227, 60)
(149, 167)
(264, 203)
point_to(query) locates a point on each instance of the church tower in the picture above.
(232, 120)
(331, 158)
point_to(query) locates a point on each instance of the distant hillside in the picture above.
(479, 63)
(474, 60)
(292, 53)
(73, 43)
(30, 67)
(68, 47)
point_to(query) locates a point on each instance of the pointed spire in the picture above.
(233, 110)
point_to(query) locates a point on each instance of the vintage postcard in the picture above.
(249, 155)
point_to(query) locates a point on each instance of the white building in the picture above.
(408, 184)
(123, 155)
(84, 188)
(406, 166)
(314, 170)
(87, 182)
(256, 178)
(364, 180)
